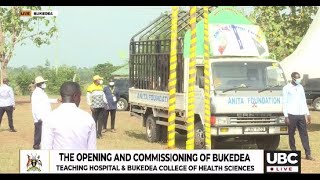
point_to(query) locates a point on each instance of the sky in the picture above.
(89, 36)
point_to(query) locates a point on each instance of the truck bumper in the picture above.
(249, 130)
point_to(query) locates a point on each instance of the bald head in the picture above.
(70, 92)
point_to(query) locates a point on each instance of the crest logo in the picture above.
(34, 163)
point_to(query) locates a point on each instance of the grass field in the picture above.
(130, 135)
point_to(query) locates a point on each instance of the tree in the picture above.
(21, 77)
(105, 70)
(284, 26)
(23, 80)
(15, 30)
(85, 75)
(55, 76)
(55, 80)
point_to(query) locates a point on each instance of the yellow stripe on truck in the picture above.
(173, 79)
(207, 114)
(192, 79)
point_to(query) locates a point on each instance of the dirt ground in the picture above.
(130, 135)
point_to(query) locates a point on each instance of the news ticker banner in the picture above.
(156, 161)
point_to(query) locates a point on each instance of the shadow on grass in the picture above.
(136, 135)
(181, 141)
(235, 145)
(181, 144)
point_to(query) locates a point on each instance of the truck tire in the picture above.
(164, 134)
(122, 104)
(316, 104)
(152, 129)
(199, 140)
(268, 142)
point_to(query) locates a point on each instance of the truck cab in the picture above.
(246, 102)
(312, 91)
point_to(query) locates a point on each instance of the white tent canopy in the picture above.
(306, 58)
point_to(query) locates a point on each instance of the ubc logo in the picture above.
(282, 158)
(282, 162)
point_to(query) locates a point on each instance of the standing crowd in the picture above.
(69, 127)
(102, 102)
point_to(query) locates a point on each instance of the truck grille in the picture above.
(254, 118)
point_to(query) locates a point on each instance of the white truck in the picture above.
(246, 91)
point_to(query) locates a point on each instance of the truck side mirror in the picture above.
(201, 82)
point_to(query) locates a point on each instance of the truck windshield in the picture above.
(254, 75)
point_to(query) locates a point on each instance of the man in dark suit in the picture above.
(112, 96)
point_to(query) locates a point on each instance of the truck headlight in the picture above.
(222, 120)
(281, 119)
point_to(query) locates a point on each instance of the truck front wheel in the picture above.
(152, 129)
(268, 142)
(316, 104)
(199, 136)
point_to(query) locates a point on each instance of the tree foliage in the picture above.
(16, 30)
(284, 26)
(105, 70)
(21, 77)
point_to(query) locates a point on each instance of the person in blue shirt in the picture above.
(295, 110)
(112, 97)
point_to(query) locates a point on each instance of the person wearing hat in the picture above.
(96, 101)
(41, 107)
(7, 103)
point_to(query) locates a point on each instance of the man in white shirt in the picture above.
(295, 110)
(69, 127)
(7, 103)
(41, 107)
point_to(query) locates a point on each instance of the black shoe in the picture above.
(36, 147)
(13, 130)
(310, 158)
(99, 136)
